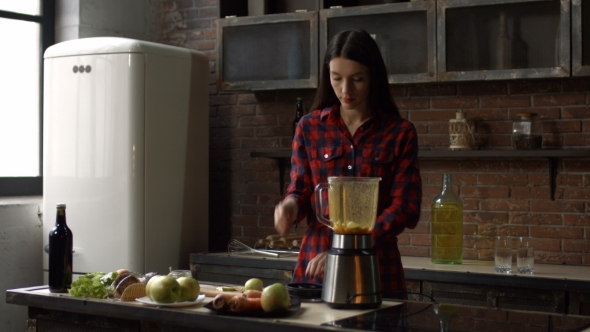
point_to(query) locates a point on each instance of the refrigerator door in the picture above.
(94, 157)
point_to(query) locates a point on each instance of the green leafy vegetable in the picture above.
(95, 285)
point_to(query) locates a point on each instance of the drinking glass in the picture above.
(525, 255)
(503, 254)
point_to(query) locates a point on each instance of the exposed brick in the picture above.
(577, 139)
(433, 90)
(439, 166)
(477, 242)
(557, 232)
(211, 12)
(576, 85)
(482, 217)
(412, 104)
(398, 91)
(562, 126)
(470, 229)
(501, 179)
(260, 143)
(527, 166)
(258, 120)
(490, 114)
(576, 220)
(251, 221)
(203, 34)
(269, 131)
(577, 193)
(256, 233)
(542, 112)
(420, 240)
(504, 101)
(433, 140)
(205, 3)
(480, 89)
(494, 127)
(184, 4)
(533, 87)
(275, 109)
(455, 103)
(216, 134)
(421, 228)
(414, 251)
(421, 128)
(576, 166)
(580, 246)
(570, 180)
(229, 99)
(504, 205)
(432, 115)
(535, 219)
(556, 258)
(539, 179)
(559, 100)
(484, 166)
(403, 239)
(438, 128)
(236, 110)
(557, 206)
(223, 121)
(544, 244)
(575, 113)
(485, 192)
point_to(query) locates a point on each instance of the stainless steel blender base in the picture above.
(352, 279)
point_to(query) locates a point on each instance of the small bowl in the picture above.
(305, 291)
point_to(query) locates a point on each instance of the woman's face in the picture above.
(350, 81)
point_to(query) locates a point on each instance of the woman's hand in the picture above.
(285, 214)
(317, 266)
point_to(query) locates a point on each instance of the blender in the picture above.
(351, 277)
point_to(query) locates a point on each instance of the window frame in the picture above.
(33, 186)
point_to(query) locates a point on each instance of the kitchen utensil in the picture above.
(351, 278)
(237, 246)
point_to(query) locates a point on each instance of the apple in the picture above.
(164, 289)
(149, 283)
(254, 284)
(189, 289)
(275, 297)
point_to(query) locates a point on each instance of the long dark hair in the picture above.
(359, 46)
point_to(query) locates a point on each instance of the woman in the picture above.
(354, 129)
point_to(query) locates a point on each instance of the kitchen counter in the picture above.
(553, 288)
(394, 316)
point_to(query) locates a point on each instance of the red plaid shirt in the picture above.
(385, 146)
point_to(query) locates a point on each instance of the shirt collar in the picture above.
(334, 113)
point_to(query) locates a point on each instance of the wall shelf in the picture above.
(282, 156)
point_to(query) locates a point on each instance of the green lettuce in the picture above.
(93, 285)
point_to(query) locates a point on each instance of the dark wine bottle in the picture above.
(298, 113)
(60, 253)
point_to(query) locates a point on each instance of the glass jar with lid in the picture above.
(527, 132)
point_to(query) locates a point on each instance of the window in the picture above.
(26, 30)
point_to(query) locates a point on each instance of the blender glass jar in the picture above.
(527, 132)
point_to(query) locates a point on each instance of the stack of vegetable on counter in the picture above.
(255, 297)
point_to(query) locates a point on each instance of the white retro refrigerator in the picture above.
(125, 147)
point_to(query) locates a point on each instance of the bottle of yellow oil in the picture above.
(446, 235)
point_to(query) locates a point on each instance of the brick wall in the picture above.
(500, 196)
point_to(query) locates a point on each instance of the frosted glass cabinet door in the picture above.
(580, 38)
(405, 33)
(94, 157)
(268, 52)
(503, 39)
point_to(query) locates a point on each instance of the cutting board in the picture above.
(212, 290)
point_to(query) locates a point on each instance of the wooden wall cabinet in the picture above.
(268, 52)
(580, 38)
(502, 39)
(405, 33)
